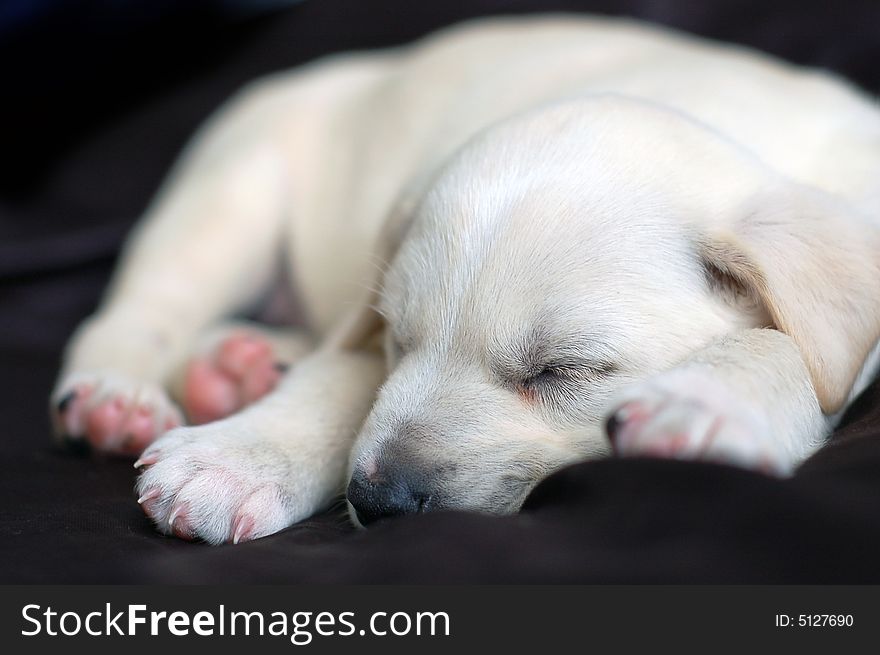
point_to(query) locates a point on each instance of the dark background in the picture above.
(97, 99)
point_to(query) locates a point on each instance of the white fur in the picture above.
(510, 194)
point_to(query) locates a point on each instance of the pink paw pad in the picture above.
(241, 370)
(104, 423)
(110, 422)
(625, 430)
(113, 425)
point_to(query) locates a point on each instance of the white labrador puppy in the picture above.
(549, 225)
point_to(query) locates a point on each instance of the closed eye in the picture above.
(560, 373)
(544, 376)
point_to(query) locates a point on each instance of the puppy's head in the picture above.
(556, 258)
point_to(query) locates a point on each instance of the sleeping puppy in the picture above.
(518, 243)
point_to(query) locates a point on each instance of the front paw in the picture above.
(217, 484)
(111, 413)
(686, 414)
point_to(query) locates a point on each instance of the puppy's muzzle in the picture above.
(394, 493)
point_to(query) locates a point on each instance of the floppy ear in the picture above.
(814, 264)
(362, 326)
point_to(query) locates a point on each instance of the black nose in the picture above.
(390, 495)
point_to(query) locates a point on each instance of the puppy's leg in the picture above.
(234, 365)
(745, 400)
(273, 464)
(209, 244)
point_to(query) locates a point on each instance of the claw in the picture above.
(149, 495)
(176, 511)
(242, 529)
(146, 460)
(178, 523)
(65, 401)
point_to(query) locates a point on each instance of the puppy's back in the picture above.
(809, 125)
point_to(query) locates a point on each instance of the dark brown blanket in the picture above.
(95, 111)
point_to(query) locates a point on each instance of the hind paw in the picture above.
(111, 413)
(239, 370)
